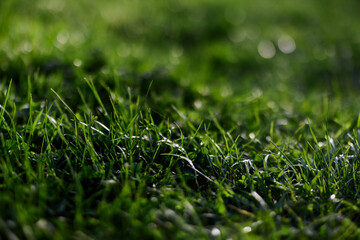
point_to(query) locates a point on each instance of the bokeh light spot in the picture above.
(266, 49)
(62, 37)
(286, 44)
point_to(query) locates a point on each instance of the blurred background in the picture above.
(195, 53)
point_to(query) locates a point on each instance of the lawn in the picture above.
(179, 119)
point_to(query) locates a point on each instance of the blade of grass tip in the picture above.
(190, 163)
(357, 139)
(217, 124)
(29, 88)
(96, 94)
(286, 157)
(13, 128)
(314, 163)
(330, 144)
(131, 123)
(29, 96)
(148, 90)
(194, 135)
(114, 110)
(58, 129)
(3, 122)
(312, 133)
(67, 107)
(92, 128)
(47, 115)
(130, 105)
(140, 106)
(83, 99)
(217, 147)
(131, 110)
(181, 138)
(102, 125)
(35, 122)
(5, 101)
(178, 112)
(316, 141)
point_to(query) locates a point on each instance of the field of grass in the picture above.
(179, 119)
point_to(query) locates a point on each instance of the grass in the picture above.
(179, 119)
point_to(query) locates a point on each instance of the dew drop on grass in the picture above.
(77, 62)
(252, 135)
(215, 232)
(45, 225)
(247, 229)
(108, 182)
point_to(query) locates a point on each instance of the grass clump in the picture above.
(178, 120)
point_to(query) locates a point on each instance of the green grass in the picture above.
(162, 120)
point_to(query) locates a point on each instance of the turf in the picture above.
(179, 119)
